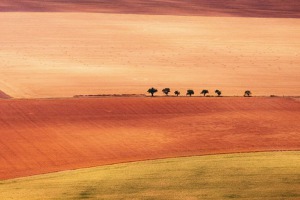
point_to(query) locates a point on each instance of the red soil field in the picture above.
(41, 136)
(244, 8)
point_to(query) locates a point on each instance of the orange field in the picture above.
(40, 136)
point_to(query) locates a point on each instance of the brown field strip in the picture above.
(41, 136)
(245, 8)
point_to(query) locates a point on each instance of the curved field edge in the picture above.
(43, 136)
(264, 175)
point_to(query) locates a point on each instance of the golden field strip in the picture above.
(255, 176)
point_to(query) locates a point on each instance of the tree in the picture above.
(218, 92)
(190, 92)
(166, 91)
(177, 93)
(204, 92)
(247, 93)
(152, 91)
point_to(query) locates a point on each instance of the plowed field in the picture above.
(40, 136)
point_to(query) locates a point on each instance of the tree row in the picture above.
(190, 92)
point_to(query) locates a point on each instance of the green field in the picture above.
(270, 175)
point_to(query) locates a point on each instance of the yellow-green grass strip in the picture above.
(267, 175)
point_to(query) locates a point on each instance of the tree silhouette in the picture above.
(152, 91)
(177, 93)
(190, 92)
(218, 92)
(204, 92)
(247, 93)
(166, 91)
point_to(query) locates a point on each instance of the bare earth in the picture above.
(40, 136)
(65, 54)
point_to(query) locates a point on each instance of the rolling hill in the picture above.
(41, 136)
(65, 54)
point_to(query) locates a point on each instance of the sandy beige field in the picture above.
(65, 54)
(39, 136)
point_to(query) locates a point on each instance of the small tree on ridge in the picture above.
(218, 92)
(166, 91)
(204, 92)
(177, 93)
(247, 93)
(190, 92)
(152, 91)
